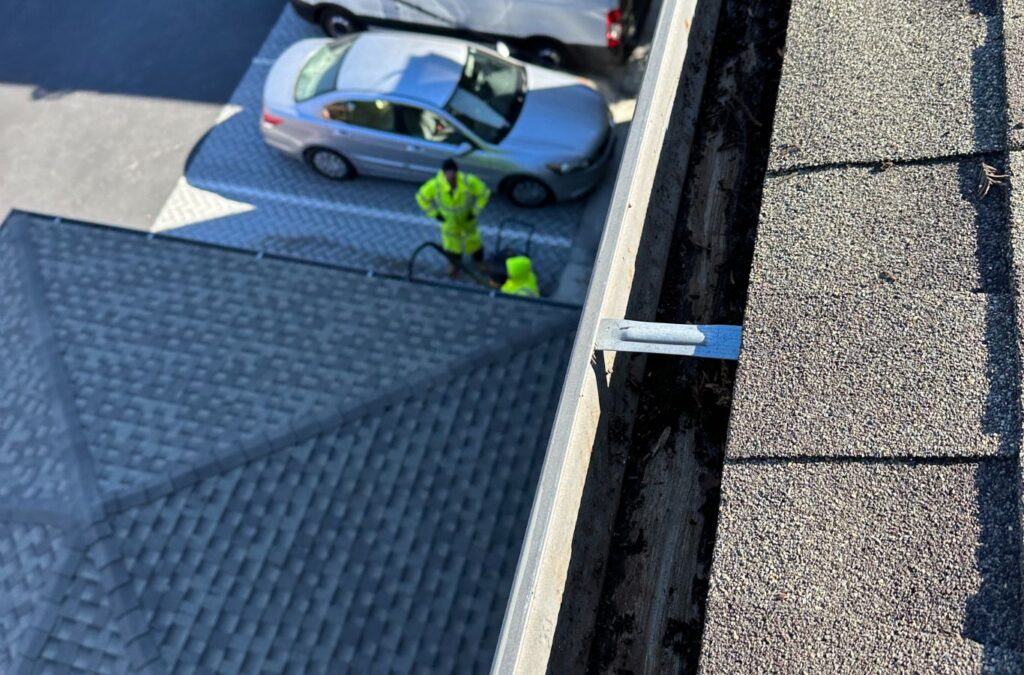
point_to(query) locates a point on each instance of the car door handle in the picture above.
(414, 148)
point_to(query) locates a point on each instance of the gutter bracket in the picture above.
(647, 337)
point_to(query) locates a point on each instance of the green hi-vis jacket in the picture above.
(521, 279)
(458, 208)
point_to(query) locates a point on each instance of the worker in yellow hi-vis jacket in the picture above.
(455, 199)
(521, 280)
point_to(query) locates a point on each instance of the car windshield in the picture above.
(489, 95)
(320, 74)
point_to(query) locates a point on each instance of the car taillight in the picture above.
(613, 28)
(272, 120)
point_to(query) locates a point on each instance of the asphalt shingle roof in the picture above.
(30, 554)
(870, 514)
(923, 226)
(32, 424)
(1013, 57)
(232, 464)
(887, 373)
(824, 567)
(878, 79)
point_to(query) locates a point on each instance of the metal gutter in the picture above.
(626, 280)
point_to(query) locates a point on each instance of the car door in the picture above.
(430, 139)
(366, 131)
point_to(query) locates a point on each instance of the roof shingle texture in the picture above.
(886, 373)
(283, 468)
(32, 426)
(870, 517)
(851, 567)
(1013, 30)
(875, 79)
(923, 226)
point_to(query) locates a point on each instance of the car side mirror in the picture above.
(464, 148)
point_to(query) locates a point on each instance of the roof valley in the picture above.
(250, 421)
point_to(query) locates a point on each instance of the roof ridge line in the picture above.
(56, 370)
(274, 440)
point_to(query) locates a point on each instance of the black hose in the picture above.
(472, 274)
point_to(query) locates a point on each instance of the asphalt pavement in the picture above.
(144, 115)
(104, 101)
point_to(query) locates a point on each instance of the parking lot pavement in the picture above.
(103, 101)
(239, 192)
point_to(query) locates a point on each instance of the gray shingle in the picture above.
(1013, 27)
(316, 556)
(847, 229)
(869, 518)
(175, 350)
(857, 567)
(305, 468)
(29, 556)
(875, 79)
(1016, 219)
(887, 373)
(85, 638)
(33, 433)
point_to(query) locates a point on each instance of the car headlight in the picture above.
(562, 168)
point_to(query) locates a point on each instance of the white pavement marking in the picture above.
(227, 112)
(189, 205)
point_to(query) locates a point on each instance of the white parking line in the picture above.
(256, 194)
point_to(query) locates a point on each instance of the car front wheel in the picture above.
(330, 164)
(337, 22)
(529, 192)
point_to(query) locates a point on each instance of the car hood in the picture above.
(279, 91)
(559, 112)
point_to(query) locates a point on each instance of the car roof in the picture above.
(410, 66)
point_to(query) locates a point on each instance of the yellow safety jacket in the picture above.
(459, 233)
(521, 279)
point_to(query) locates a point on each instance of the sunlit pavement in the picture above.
(238, 192)
(103, 102)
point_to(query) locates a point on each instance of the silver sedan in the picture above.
(397, 105)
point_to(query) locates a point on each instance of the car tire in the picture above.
(528, 192)
(337, 22)
(330, 164)
(547, 53)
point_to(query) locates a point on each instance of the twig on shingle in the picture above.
(990, 176)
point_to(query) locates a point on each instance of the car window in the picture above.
(489, 95)
(379, 114)
(320, 74)
(428, 126)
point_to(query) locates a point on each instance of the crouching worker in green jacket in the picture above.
(521, 279)
(455, 200)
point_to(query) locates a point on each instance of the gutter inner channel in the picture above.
(650, 610)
